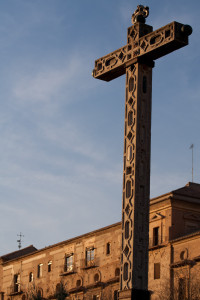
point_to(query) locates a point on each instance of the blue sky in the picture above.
(61, 130)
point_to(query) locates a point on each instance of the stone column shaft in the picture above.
(136, 178)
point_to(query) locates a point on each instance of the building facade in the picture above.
(88, 266)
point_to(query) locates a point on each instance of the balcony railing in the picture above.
(89, 263)
(14, 289)
(67, 270)
(156, 241)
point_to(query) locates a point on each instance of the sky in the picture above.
(61, 130)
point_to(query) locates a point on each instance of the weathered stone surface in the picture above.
(136, 60)
(178, 258)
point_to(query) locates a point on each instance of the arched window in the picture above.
(49, 266)
(40, 293)
(31, 277)
(78, 283)
(96, 277)
(39, 271)
(108, 248)
(58, 288)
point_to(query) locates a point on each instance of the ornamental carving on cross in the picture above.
(136, 60)
(140, 14)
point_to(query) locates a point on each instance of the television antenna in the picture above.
(19, 241)
(192, 147)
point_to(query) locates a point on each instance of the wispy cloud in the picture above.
(59, 167)
(49, 84)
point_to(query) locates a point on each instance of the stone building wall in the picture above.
(88, 266)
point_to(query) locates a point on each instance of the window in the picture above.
(40, 293)
(155, 236)
(39, 271)
(184, 254)
(49, 266)
(69, 263)
(157, 271)
(96, 277)
(95, 297)
(90, 257)
(116, 295)
(2, 296)
(58, 288)
(108, 248)
(78, 283)
(182, 289)
(31, 277)
(16, 283)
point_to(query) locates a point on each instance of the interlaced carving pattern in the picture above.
(136, 47)
(135, 208)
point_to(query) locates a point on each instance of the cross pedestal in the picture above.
(136, 60)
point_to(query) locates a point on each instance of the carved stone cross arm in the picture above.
(143, 47)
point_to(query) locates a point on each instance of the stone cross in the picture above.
(136, 59)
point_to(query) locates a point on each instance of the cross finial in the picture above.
(140, 14)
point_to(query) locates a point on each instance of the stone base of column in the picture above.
(134, 294)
